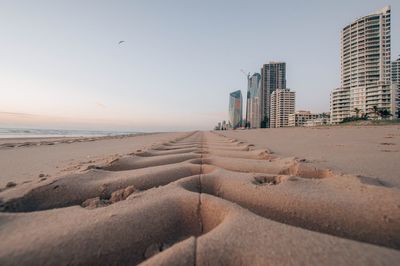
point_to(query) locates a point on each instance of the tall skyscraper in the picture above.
(340, 104)
(235, 108)
(273, 77)
(396, 86)
(365, 67)
(396, 70)
(282, 104)
(254, 101)
(247, 123)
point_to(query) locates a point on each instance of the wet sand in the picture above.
(201, 198)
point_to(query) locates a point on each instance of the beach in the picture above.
(370, 151)
(290, 196)
(25, 159)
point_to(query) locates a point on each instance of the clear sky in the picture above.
(61, 65)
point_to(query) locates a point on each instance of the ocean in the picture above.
(45, 133)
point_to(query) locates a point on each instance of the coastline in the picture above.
(14, 142)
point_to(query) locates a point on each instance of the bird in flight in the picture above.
(120, 42)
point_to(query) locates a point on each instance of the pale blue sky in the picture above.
(60, 60)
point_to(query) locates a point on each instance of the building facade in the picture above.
(396, 71)
(340, 105)
(365, 68)
(282, 105)
(321, 121)
(235, 109)
(254, 101)
(396, 86)
(273, 77)
(300, 118)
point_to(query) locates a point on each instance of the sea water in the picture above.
(45, 133)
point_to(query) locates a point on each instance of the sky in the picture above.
(61, 65)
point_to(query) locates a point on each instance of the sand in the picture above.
(28, 160)
(370, 151)
(200, 198)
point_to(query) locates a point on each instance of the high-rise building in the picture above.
(254, 104)
(396, 86)
(246, 122)
(273, 77)
(235, 108)
(340, 105)
(396, 71)
(365, 67)
(282, 104)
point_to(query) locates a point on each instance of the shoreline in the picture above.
(20, 141)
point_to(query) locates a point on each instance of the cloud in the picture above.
(11, 114)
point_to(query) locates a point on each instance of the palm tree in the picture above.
(375, 111)
(357, 111)
(384, 113)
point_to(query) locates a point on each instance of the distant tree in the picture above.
(324, 115)
(375, 110)
(384, 113)
(357, 111)
(354, 118)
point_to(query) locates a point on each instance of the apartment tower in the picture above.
(396, 71)
(365, 67)
(273, 77)
(396, 86)
(282, 104)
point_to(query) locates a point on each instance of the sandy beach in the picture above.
(28, 160)
(317, 196)
(369, 151)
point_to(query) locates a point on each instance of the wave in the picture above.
(37, 133)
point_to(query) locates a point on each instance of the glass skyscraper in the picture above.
(254, 103)
(273, 77)
(235, 108)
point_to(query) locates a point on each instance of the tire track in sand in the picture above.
(196, 200)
